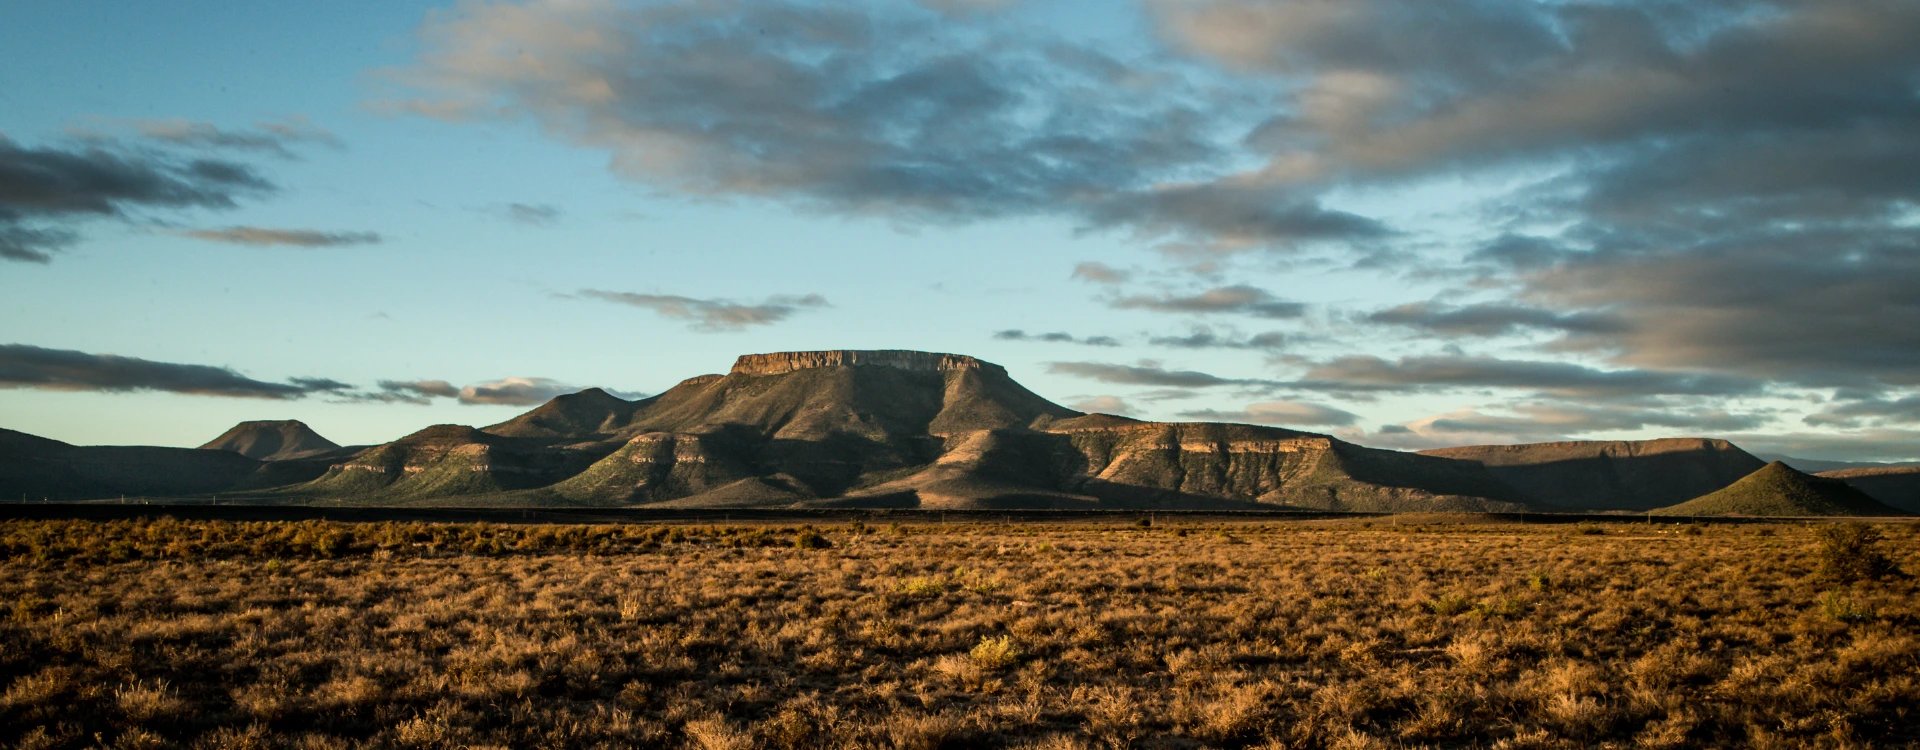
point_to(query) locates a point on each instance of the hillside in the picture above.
(35, 468)
(1897, 486)
(1781, 490)
(272, 440)
(1611, 475)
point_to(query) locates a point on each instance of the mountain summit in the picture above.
(274, 440)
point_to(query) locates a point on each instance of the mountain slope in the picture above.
(589, 413)
(1781, 490)
(1897, 486)
(35, 468)
(446, 461)
(1612, 475)
(272, 440)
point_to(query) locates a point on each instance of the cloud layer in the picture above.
(713, 315)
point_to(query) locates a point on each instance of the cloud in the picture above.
(1145, 373)
(1492, 319)
(27, 366)
(263, 237)
(1873, 410)
(1882, 444)
(1238, 299)
(822, 106)
(277, 137)
(46, 192)
(1100, 273)
(515, 392)
(1429, 373)
(1763, 304)
(410, 391)
(532, 214)
(1281, 413)
(713, 315)
(1055, 337)
(1205, 338)
(1552, 421)
(1103, 405)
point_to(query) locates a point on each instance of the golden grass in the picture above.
(315, 635)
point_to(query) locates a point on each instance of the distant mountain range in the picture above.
(883, 429)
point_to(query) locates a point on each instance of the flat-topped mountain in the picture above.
(889, 428)
(272, 440)
(1781, 490)
(1612, 474)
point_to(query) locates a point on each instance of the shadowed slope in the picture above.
(575, 415)
(1780, 490)
(447, 461)
(1612, 475)
(1897, 486)
(34, 468)
(272, 440)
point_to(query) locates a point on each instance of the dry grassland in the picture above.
(1292, 634)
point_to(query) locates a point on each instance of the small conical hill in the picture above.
(272, 440)
(1780, 490)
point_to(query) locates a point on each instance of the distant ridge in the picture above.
(1612, 474)
(1898, 486)
(272, 440)
(1781, 490)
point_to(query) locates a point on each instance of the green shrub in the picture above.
(1851, 552)
(994, 653)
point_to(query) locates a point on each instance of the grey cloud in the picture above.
(533, 214)
(411, 391)
(1760, 304)
(1492, 319)
(1238, 299)
(515, 392)
(45, 192)
(27, 366)
(820, 105)
(276, 137)
(713, 315)
(1206, 338)
(1281, 413)
(1227, 217)
(1055, 337)
(1572, 419)
(1881, 444)
(1100, 273)
(262, 236)
(1869, 411)
(1412, 374)
(1146, 373)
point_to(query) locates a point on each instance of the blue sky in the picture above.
(1409, 225)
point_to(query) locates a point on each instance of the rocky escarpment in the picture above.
(1272, 466)
(779, 363)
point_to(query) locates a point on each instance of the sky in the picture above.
(1407, 224)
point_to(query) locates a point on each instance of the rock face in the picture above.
(272, 440)
(1612, 475)
(780, 363)
(1781, 490)
(1897, 486)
